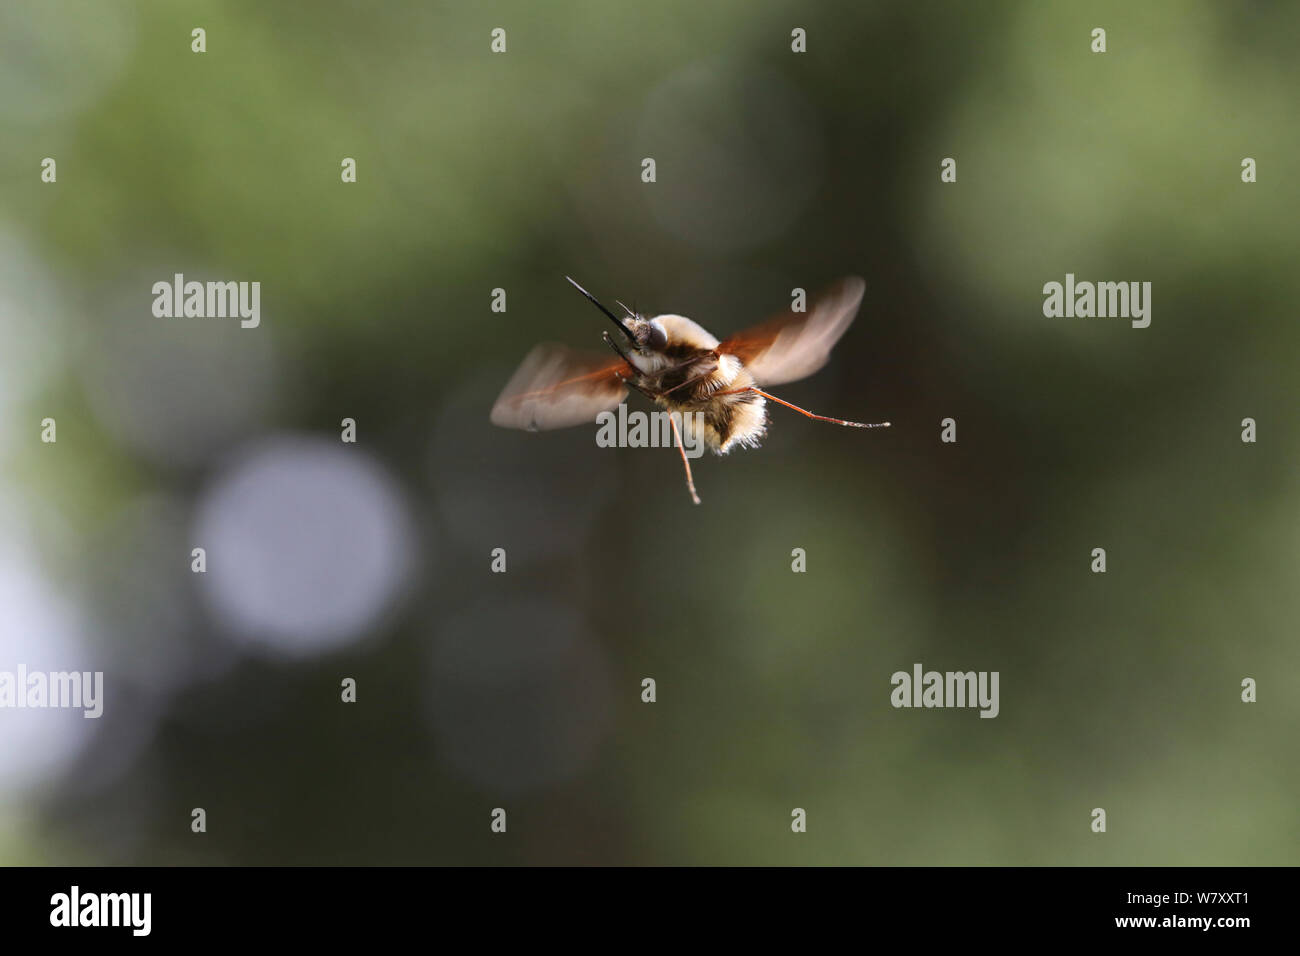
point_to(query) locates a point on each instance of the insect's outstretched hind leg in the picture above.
(804, 411)
(690, 482)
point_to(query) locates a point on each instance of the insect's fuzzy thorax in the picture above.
(686, 340)
(686, 332)
(689, 375)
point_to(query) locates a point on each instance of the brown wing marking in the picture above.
(556, 386)
(793, 345)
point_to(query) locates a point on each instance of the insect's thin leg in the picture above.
(690, 482)
(609, 340)
(690, 381)
(804, 411)
(630, 379)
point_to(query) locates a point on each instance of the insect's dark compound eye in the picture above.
(656, 337)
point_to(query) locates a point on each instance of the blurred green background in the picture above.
(522, 690)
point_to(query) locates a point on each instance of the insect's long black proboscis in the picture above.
(594, 301)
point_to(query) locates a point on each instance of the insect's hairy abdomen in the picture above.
(731, 415)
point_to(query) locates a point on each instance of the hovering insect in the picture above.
(679, 366)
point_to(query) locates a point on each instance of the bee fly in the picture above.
(679, 366)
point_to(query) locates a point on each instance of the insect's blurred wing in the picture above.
(558, 386)
(793, 345)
